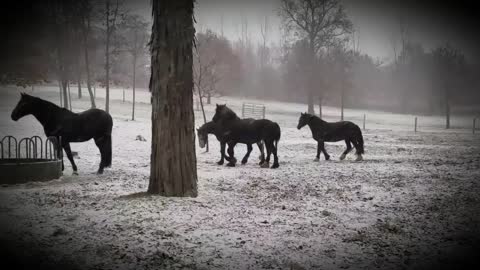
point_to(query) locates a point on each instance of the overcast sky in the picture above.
(429, 22)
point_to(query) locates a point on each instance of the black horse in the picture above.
(211, 128)
(70, 127)
(247, 131)
(323, 131)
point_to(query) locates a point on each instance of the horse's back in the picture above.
(97, 120)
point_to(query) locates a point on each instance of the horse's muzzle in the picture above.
(14, 117)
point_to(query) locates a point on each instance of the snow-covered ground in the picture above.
(413, 201)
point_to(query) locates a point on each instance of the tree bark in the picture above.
(173, 160)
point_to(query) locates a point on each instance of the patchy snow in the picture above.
(413, 198)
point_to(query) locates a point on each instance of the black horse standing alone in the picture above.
(70, 127)
(323, 131)
(247, 131)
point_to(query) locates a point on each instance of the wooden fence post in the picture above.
(415, 124)
(364, 120)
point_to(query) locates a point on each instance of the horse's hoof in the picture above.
(230, 164)
(342, 157)
(244, 161)
(265, 165)
(327, 157)
(316, 159)
(359, 158)
(275, 165)
(227, 158)
(220, 163)
(75, 173)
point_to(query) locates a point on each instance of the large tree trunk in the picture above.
(173, 159)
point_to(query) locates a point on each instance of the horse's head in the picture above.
(222, 112)
(304, 120)
(202, 135)
(24, 107)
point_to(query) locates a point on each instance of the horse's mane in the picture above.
(228, 113)
(46, 103)
(207, 126)
(316, 118)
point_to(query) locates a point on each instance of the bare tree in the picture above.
(320, 22)
(449, 67)
(111, 15)
(85, 15)
(135, 44)
(173, 160)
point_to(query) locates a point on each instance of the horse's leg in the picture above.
(59, 150)
(233, 160)
(101, 146)
(247, 155)
(66, 147)
(262, 153)
(268, 145)
(319, 149)
(275, 157)
(357, 151)
(349, 148)
(322, 148)
(222, 153)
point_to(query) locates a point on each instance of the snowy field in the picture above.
(414, 200)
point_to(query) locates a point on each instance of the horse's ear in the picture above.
(216, 104)
(302, 114)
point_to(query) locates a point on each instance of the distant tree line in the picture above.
(318, 61)
(83, 42)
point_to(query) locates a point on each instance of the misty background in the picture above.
(394, 56)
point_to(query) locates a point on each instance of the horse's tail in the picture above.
(108, 150)
(360, 149)
(278, 135)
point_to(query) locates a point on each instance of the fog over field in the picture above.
(367, 114)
